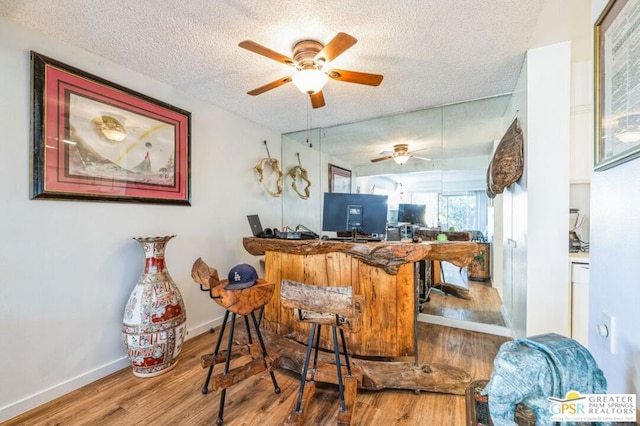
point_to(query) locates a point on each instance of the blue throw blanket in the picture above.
(531, 370)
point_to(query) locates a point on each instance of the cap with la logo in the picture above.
(241, 276)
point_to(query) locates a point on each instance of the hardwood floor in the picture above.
(175, 398)
(483, 307)
(480, 308)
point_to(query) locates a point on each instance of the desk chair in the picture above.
(338, 308)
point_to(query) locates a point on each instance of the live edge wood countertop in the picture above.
(388, 255)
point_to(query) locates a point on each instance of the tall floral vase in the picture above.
(154, 323)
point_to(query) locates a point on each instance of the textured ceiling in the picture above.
(431, 52)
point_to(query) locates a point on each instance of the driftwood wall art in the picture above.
(300, 172)
(507, 165)
(275, 168)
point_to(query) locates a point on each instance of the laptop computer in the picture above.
(256, 226)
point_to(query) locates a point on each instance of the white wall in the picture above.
(614, 281)
(549, 94)
(535, 275)
(512, 245)
(581, 166)
(68, 267)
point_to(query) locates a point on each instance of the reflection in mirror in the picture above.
(302, 149)
(447, 153)
(435, 157)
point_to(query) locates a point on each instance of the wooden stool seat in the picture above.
(243, 302)
(235, 302)
(338, 308)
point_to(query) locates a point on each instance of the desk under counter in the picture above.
(382, 272)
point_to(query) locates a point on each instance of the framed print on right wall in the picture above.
(617, 84)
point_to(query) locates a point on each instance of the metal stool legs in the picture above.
(336, 351)
(276, 388)
(227, 361)
(315, 335)
(205, 387)
(225, 371)
(305, 368)
(338, 308)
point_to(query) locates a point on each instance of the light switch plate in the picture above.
(608, 321)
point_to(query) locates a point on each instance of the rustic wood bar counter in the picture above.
(382, 272)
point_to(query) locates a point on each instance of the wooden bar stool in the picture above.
(244, 302)
(338, 308)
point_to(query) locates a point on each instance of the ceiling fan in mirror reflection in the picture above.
(400, 154)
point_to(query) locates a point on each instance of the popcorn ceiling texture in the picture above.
(431, 52)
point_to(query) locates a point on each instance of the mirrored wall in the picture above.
(436, 156)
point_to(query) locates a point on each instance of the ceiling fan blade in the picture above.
(269, 86)
(421, 158)
(387, 157)
(337, 45)
(418, 150)
(265, 51)
(317, 100)
(356, 77)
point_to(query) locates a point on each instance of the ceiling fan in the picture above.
(310, 58)
(400, 154)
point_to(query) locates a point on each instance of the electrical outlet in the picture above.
(606, 330)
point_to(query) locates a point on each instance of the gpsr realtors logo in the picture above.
(593, 408)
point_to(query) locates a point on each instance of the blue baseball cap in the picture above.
(241, 276)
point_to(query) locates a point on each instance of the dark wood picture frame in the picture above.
(617, 118)
(339, 179)
(95, 140)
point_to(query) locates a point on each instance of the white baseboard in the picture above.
(12, 410)
(466, 325)
(203, 328)
(15, 409)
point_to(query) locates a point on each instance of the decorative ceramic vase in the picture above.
(154, 323)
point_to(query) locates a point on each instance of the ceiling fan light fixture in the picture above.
(310, 81)
(111, 128)
(114, 135)
(401, 159)
(628, 129)
(628, 137)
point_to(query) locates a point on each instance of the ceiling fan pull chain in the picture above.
(309, 142)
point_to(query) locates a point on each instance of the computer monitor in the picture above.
(367, 213)
(412, 213)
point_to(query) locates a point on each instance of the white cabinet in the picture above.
(581, 157)
(580, 301)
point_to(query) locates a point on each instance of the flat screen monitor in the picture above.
(367, 213)
(412, 213)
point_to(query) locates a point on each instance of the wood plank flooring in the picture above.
(483, 307)
(175, 398)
